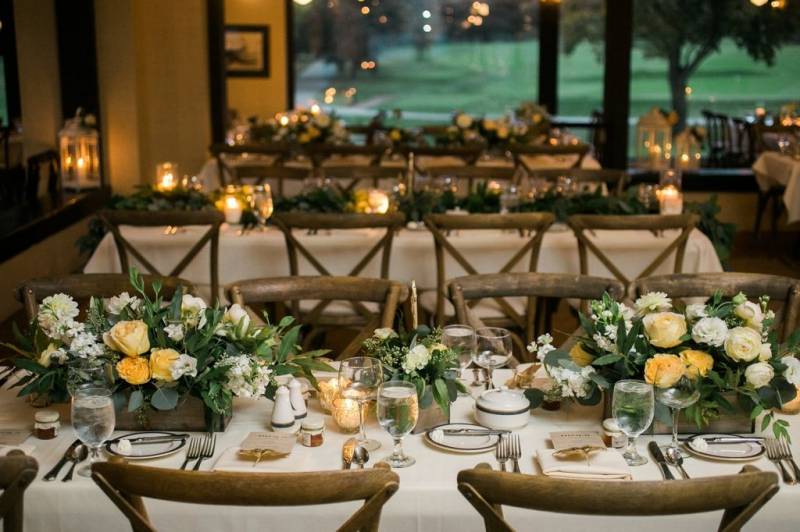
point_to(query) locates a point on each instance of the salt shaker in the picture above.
(297, 400)
(282, 413)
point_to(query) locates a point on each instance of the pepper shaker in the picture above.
(297, 400)
(282, 413)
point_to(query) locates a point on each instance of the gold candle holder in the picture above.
(345, 414)
(328, 392)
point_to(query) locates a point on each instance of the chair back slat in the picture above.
(740, 496)
(126, 485)
(354, 175)
(521, 152)
(583, 223)
(472, 174)
(114, 219)
(615, 180)
(785, 290)
(534, 225)
(275, 153)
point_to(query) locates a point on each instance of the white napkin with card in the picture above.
(598, 465)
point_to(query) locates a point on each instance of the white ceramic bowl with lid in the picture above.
(502, 409)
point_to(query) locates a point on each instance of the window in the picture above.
(581, 55)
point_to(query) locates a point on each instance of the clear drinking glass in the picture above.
(93, 420)
(262, 203)
(494, 350)
(462, 340)
(685, 393)
(359, 379)
(633, 407)
(398, 410)
(89, 374)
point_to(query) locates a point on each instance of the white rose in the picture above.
(750, 313)
(653, 302)
(792, 372)
(116, 304)
(765, 353)
(711, 331)
(463, 121)
(193, 310)
(384, 333)
(184, 365)
(417, 358)
(743, 344)
(235, 318)
(696, 311)
(759, 374)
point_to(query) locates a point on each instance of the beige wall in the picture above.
(261, 96)
(154, 95)
(37, 55)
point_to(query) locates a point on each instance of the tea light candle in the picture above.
(378, 201)
(233, 210)
(345, 414)
(670, 200)
(655, 154)
(166, 176)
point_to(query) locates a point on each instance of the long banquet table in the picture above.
(774, 168)
(427, 500)
(263, 253)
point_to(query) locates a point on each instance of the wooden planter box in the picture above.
(191, 415)
(430, 417)
(738, 422)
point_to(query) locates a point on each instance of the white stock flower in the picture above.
(174, 331)
(711, 331)
(193, 310)
(653, 302)
(246, 378)
(743, 344)
(759, 374)
(57, 315)
(85, 345)
(184, 365)
(696, 311)
(116, 304)
(792, 372)
(572, 383)
(417, 358)
(384, 333)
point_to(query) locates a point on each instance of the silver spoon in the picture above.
(78, 454)
(360, 456)
(348, 449)
(674, 458)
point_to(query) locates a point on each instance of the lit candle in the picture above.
(378, 201)
(345, 414)
(328, 391)
(655, 155)
(166, 177)
(670, 200)
(684, 160)
(233, 210)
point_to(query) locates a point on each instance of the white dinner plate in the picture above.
(146, 451)
(729, 452)
(461, 444)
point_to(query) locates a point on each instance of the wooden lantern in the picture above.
(654, 140)
(688, 149)
(79, 152)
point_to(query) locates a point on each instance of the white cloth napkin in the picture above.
(231, 461)
(601, 465)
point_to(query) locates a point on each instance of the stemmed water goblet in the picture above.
(463, 340)
(494, 350)
(359, 379)
(633, 407)
(680, 395)
(398, 411)
(93, 418)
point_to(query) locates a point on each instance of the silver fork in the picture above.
(785, 452)
(192, 451)
(773, 453)
(206, 450)
(515, 451)
(501, 452)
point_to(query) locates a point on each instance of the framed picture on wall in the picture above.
(247, 51)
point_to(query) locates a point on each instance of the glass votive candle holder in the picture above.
(328, 392)
(345, 414)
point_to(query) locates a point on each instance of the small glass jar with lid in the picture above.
(46, 424)
(312, 432)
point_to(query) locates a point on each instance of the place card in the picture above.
(576, 439)
(280, 443)
(13, 437)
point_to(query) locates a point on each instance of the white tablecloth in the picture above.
(773, 168)
(427, 500)
(263, 254)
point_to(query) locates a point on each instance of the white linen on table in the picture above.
(427, 500)
(773, 168)
(263, 254)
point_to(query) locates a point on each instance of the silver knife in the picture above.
(658, 456)
(474, 432)
(53, 473)
(164, 438)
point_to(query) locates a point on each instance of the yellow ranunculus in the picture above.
(134, 370)
(664, 370)
(580, 356)
(161, 361)
(664, 329)
(698, 363)
(128, 337)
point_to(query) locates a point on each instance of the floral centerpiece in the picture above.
(725, 345)
(419, 357)
(463, 131)
(159, 352)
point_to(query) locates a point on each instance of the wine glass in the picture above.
(359, 379)
(462, 340)
(494, 350)
(93, 420)
(89, 374)
(262, 203)
(398, 410)
(682, 394)
(633, 407)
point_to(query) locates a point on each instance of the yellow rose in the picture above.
(161, 361)
(580, 356)
(664, 370)
(395, 135)
(44, 358)
(664, 329)
(134, 370)
(128, 337)
(698, 363)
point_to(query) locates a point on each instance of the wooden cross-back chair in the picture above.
(126, 485)
(114, 219)
(533, 286)
(581, 223)
(259, 174)
(467, 154)
(84, 286)
(276, 154)
(354, 175)
(530, 225)
(785, 290)
(290, 291)
(17, 472)
(615, 180)
(521, 152)
(327, 154)
(472, 173)
(740, 496)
